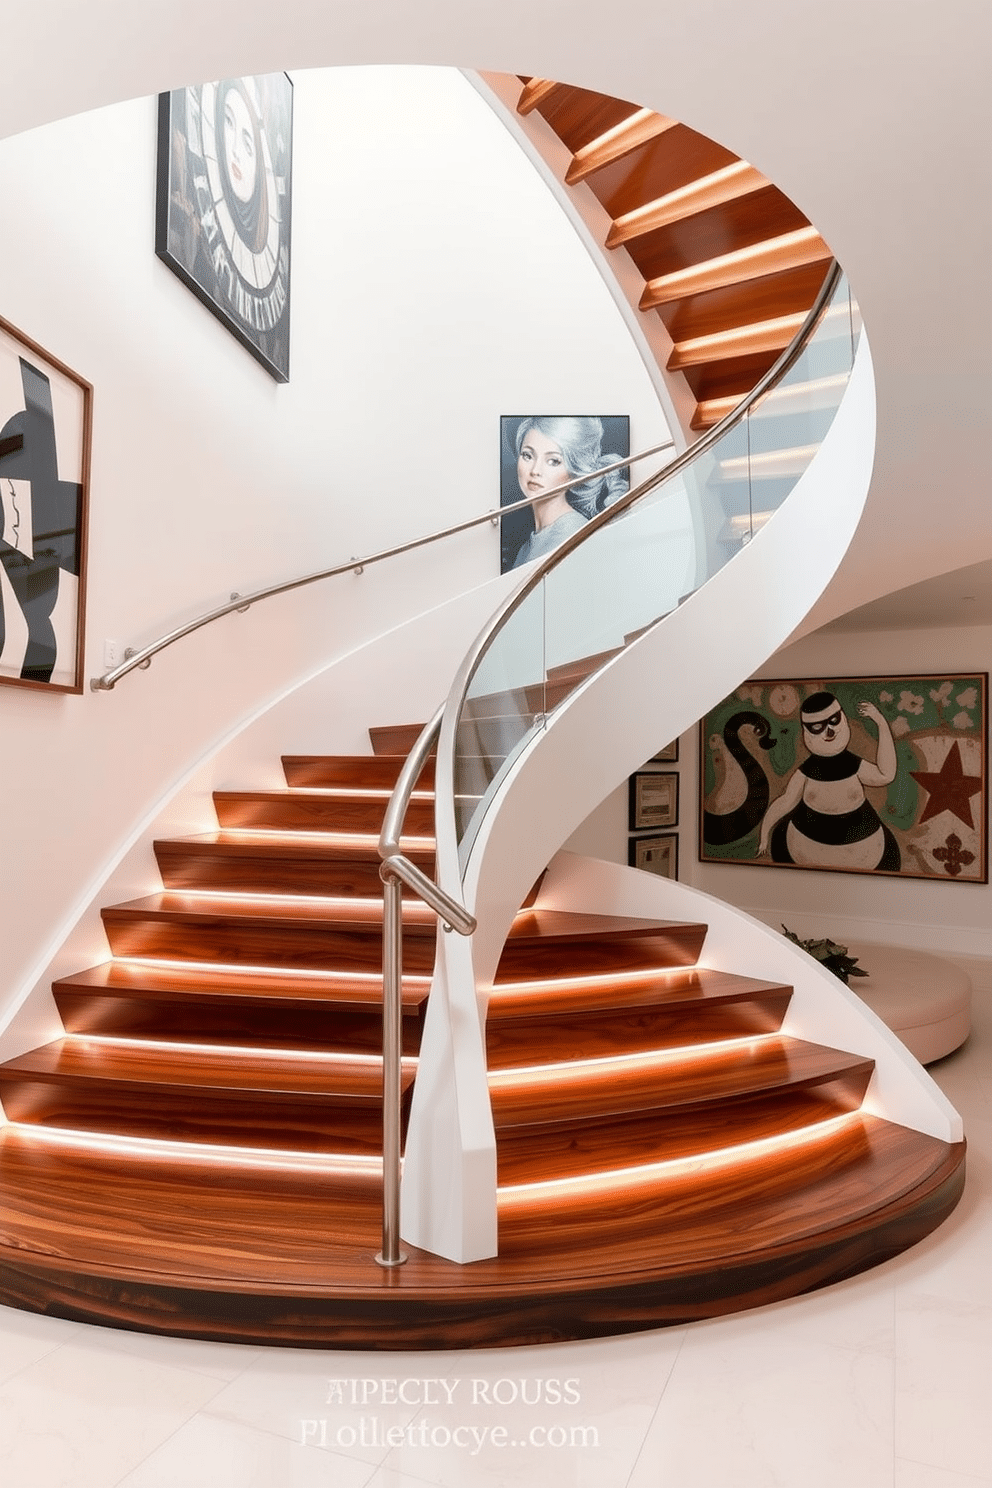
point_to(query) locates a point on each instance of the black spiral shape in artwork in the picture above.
(721, 828)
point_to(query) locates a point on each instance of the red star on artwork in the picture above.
(949, 788)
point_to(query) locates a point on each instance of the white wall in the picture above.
(436, 286)
(952, 918)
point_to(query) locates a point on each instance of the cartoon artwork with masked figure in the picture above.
(867, 775)
(40, 536)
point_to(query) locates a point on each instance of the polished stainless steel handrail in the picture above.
(242, 602)
(396, 868)
(786, 361)
(395, 871)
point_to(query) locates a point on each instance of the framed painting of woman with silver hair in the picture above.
(540, 452)
(223, 205)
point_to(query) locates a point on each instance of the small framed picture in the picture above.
(45, 426)
(654, 799)
(658, 854)
(667, 756)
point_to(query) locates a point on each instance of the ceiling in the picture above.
(874, 119)
(960, 598)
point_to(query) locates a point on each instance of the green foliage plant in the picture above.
(829, 954)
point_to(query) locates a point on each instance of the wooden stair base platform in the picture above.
(250, 1253)
(201, 1153)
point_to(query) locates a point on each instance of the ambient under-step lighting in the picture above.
(626, 1181)
(340, 1164)
(337, 835)
(242, 969)
(239, 1053)
(350, 792)
(659, 1059)
(411, 907)
(593, 979)
(783, 327)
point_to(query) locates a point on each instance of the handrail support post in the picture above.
(392, 1031)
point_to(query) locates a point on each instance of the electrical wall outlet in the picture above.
(113, 653)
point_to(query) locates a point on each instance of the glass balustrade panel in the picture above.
(636, 567)
(788, 424)
(504, 704)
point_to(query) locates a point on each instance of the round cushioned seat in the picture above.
(925, 1000)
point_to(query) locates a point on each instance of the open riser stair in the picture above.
(200, 1154)
(729, 264)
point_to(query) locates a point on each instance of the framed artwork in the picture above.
(658, 854)
(45, 434)
(667, 756)
(884, 775)
(223, 205)
(539, 452)
(654, 799)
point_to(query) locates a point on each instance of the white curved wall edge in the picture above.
(822, 1010)
(448, 1191)
(591, 221)
(607, 729)
(398, 676)
(660, 685)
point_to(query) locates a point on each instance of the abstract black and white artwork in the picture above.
(223, 210)
(45, 422)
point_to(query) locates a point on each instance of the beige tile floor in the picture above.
(884, 1381)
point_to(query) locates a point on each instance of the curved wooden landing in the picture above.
(264, 1254)
(200, 1154)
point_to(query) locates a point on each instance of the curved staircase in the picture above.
(721, 257)
(200, 1153)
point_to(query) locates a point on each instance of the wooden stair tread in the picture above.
(178, 906)
(341, 991)
(693, 987)
(242, 842)
(697, 195)
(370, 770)
(672, 1080)
(634, 1139)
(666, 1009)
(192, 1224)
(395, 739)
(733, 1211)
(555, 924)
(319, 811)
(244, 861)
(197, 1069)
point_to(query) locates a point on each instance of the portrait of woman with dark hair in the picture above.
(541, 453)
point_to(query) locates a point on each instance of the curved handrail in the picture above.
(444, 727)
(241, 602)
(786, 361)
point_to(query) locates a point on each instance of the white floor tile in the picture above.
(770, 1413)
(82, 1417)
(26, 1337)
(222, 1361)
(207, 1453)
(944, 1384)
(918, 1475)
(343, 1402)
(564, 1414)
